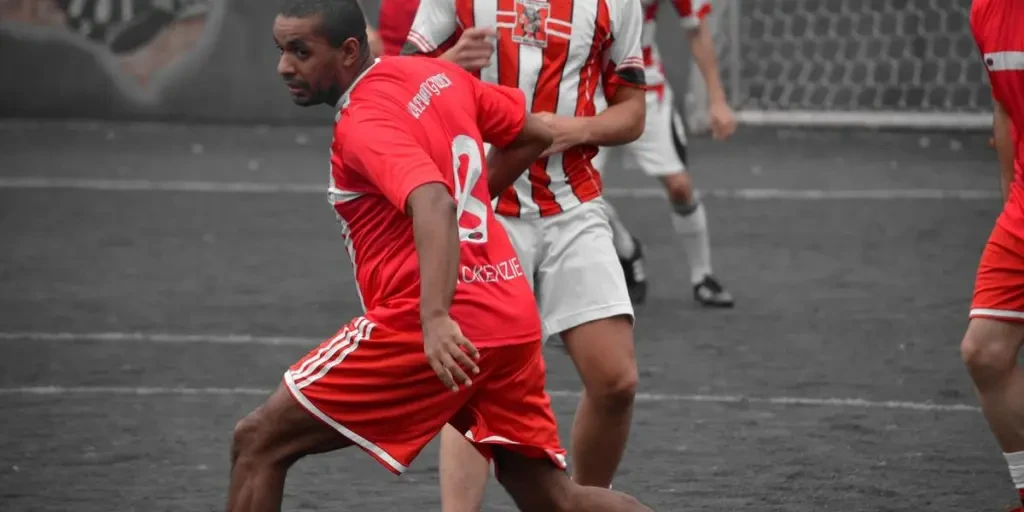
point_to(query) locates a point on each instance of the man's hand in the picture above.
(450, 354)
(722, 120)
(474, 49)
(567, 132)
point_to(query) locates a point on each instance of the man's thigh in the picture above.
(377, 389)
(579, 278)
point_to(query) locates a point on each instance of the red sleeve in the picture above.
(387, 154)
(500, 113)
(979, 9)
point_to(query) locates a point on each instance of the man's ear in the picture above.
(351, 51)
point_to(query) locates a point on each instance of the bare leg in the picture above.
(536, 485)
(622, 239)
(603, 353)
(266, 444)
(464, 473)
(990, 350)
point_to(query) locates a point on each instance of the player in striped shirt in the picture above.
(558, 52)
(661, 153)
(991, 347)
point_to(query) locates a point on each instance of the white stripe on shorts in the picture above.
(998, 313)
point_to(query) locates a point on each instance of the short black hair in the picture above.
(340, 19)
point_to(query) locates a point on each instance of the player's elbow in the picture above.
(630, 104)
(637, 120)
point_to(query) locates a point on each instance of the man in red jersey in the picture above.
(434, 269)
(991, 346)
(558, 52)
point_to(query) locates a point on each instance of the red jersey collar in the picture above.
(343, 101)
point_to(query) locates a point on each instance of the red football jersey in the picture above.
(394, 23)
(998, 27)
(407, 122)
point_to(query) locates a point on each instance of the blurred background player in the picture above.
(393, 23)
(411, 190)
(995, 334)
(661, 152)
(554, 214)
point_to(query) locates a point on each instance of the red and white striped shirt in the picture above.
(691, 12)
(557, 52)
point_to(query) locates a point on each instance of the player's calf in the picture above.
(690, 222)
(631, 256)
(535, 484)
(990, 350)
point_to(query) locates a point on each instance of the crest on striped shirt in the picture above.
(531, 23)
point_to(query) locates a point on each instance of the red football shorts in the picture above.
(377, 389)
(999, 286)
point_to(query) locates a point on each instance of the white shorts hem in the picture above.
(566, 322)
(997, 314)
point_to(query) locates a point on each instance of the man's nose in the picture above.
(285, 67)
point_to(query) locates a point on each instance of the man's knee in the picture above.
(245, 441)
(679, 188)
(989, 352)
(258, 438)
(604, 355)
(534, 484)
(614, 389)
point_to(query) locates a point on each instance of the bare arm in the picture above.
(721, 118)
(373, 38)
(1004, 147)
(704, 55)
(621, 123)
(436, 232)
(505, 165)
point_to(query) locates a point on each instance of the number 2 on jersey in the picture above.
(466, 178)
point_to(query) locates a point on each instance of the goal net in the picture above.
(869, 63)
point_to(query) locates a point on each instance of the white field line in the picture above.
(142, 338)
(138, 337)
(557, 394)
(119, 185)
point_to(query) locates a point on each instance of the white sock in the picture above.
(1016, 463)
(693, 229)
(621, 237)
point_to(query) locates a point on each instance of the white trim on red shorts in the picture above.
(332, 353)
(362, 442)
(998, 314)
(557, 458)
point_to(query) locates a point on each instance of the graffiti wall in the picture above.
(143, 59)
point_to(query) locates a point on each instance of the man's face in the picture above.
(308, 63)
